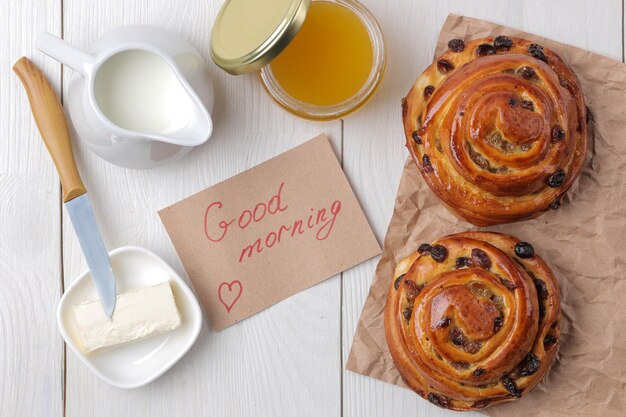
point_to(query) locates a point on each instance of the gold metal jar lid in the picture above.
(248, 34)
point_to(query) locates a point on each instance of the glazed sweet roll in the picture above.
(498, 129)
(473, 320)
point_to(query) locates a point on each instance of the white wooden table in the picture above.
(288, 360)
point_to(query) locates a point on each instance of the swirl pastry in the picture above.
(473, 320)
(497, 128)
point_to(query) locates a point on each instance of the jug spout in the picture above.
(65, 53)
(196, 131)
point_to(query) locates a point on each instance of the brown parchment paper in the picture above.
(584, 242)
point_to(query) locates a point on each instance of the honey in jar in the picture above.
(318, 59)
(330, 58)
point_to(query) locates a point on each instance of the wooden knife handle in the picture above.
(50, 119)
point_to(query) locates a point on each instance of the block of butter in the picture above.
(139, 313)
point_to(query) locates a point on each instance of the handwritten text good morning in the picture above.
(320, 221)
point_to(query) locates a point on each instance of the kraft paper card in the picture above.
(583, 242)
(270, 232)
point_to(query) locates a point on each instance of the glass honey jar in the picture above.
(318, 59)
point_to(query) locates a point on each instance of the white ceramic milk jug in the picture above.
(141, 96)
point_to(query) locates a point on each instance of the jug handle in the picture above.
(65, 53)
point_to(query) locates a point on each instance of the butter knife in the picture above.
(48, 113)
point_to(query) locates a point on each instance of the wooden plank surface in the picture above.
(31, 349)
(373, 139)
(289, 359)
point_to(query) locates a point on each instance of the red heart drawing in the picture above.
(226, 291)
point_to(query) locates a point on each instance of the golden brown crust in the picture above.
(477, 328)
(492, 133)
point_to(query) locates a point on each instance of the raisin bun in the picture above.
(473, 320)
(498, 129)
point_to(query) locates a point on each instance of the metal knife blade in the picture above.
(86, 228)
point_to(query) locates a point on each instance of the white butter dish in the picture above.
(138, 363)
